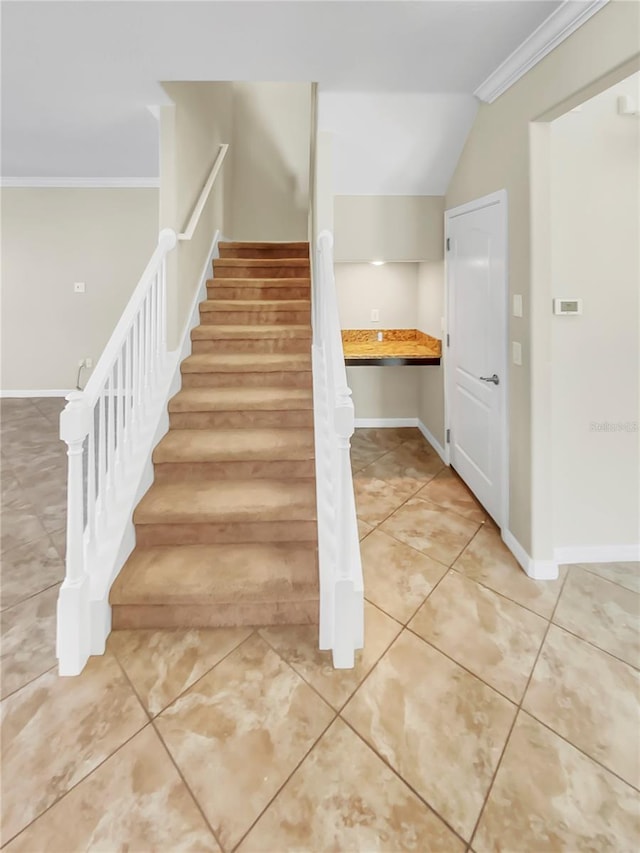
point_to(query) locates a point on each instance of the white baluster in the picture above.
(111, 441)
(128, 399)
(73, 636)
(102, 519)
(91, 482)
(119, 413)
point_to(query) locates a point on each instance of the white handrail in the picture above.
(188, 233)
(107, 428)
(341, 583)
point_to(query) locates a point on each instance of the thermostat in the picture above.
(566, 305)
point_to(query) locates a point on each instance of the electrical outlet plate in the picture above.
(516, 352)
(517, 305)
(375, 315)
(78, 287)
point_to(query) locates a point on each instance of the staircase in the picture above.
(227, 534)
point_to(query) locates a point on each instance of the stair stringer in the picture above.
(107, 564)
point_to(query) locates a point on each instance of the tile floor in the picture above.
(486, 713)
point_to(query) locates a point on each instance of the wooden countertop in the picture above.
(398, 347)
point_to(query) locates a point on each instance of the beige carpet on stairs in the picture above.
(227, 533)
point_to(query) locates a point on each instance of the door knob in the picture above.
(495, 379)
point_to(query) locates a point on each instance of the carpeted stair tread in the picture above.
(253, 263)
(210, 574)
(208, 332)
(299, 281)
(227, 501)
(207, 362)
(257, 305)
(239, 399)
(221, 445)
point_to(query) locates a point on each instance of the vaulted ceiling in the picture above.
(77, 77)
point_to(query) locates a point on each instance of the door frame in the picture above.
(501, 199)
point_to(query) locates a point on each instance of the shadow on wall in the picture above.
(272, 131)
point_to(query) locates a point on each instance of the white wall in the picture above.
(52, 238)
(595, 255)
(389, 228)
(391, 288)
(395, 143)
(431, 298)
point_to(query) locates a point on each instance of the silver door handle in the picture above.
(495, 379)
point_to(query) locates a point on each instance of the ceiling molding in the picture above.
(552, 32)
(80, 183)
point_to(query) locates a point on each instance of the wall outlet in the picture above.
(86, 362)
(517, 305)
(375, 315)
(516, 352)
(78, 287)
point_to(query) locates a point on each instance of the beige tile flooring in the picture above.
(486, 712)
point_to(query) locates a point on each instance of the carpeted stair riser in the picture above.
(215, 615)
(285, 379)
(265, 250)
(241, 419)
(276, 469)
(259, 345)
(269, 317)
(225, 532)
(261, 291)
(222, 270)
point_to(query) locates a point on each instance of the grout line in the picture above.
(515, 717)
(585, 567)
(595, 646)
(32, 595)
(404, 781)
(31, 680)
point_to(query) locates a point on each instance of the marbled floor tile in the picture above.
(28, 639)
(436, 532)
(363, 454)
(601, 612)
(49, 501)
(28, 569)
(240, 732)
(298, 645)
(50, 407)
(406, 468)
(162, 664)
(625, 574)
(20, 523)
(55, 731)
(488, 634)
(343, 797)
(447, 490)
(364, 529)
(441, 728)
(59, 539)
(375, 499)
(15, 408)
(488, 561)
(589, 698)
(397, 578)
(135, 801)
(548, 796)
(386, 437)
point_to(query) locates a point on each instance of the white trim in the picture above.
(500, 197)
(29, 392)
(386, 422)
(539, 570)
(189, 231)
(80, 183)
(551, 32)
(597, 554)
(433, 441)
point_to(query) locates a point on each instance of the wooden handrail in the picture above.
(189, 231)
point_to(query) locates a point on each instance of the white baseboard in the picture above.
(539, 570)
(386, 422)
(31, 392)
(433, 441)
(597, 554)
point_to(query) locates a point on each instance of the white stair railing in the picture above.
(341, 584)
(107, 429)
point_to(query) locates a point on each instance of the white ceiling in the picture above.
(77, 76)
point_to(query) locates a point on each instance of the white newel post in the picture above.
(73, 636)
(344, 638)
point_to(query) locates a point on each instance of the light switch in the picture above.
(78, 287)
(517, 305)
(375, 315)
(516, 352)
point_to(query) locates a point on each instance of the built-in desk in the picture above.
(397, 347)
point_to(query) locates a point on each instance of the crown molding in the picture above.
(551, 32)
(80, 183)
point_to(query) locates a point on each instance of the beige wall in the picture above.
(391, 288)
(384, 392)
(388, 228)
(430, 318)
(595, 255)
(52, 238)
(192, 129)
(271, 139)
(496, 156)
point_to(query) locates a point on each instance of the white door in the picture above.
(476, 357)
